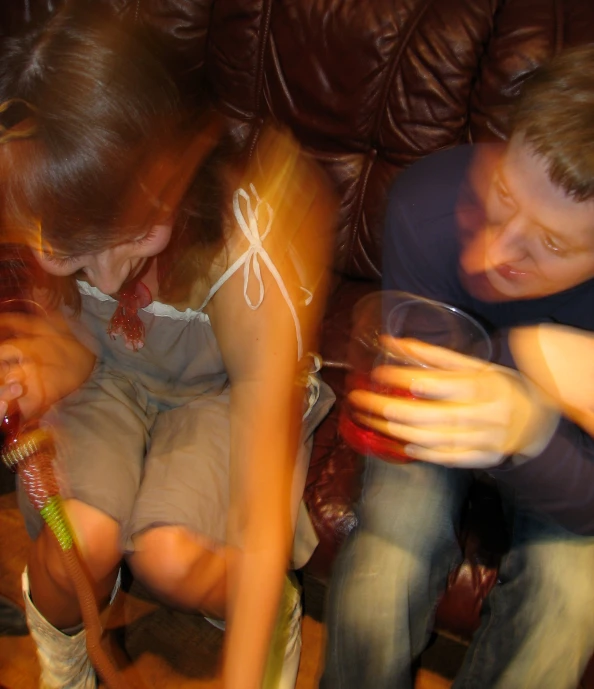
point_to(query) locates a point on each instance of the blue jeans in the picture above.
(537, 624)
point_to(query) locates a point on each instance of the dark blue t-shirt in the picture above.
(421, 256)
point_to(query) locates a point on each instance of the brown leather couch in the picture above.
(368, 87)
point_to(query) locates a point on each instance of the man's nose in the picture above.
(508, 241)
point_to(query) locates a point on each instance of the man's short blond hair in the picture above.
(555, 117)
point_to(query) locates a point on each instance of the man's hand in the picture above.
(468, 413)
(40, 363)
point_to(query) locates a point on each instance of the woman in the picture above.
(187, 284)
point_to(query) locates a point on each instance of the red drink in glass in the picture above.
(363, 439)
(398, 315)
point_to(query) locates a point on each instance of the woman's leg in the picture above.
(100, 434)
(51, 604)
(177, 539)
(52, 590)
(182, 569)
(178, 529)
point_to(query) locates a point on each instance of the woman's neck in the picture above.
(150, 279)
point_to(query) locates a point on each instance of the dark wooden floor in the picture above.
(163, 649)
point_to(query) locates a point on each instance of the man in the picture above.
(508, 236)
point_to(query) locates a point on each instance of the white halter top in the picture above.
(250, 260)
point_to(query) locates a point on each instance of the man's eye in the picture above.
(552, 246)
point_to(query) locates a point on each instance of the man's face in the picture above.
(537, 240)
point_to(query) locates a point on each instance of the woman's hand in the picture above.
(16, 379)
(40, 363)
(10, 374)
(468, 413)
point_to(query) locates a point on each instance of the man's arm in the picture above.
(560, 481)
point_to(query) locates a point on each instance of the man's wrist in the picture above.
(547, 427)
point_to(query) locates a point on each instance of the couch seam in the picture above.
(265, 35)
(394, 61)
(362, 188)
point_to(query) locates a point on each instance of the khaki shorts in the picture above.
(146, 463)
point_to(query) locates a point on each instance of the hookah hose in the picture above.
(31, 454)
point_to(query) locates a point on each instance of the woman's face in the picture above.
(110, 268)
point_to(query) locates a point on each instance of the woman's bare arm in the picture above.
(260, 351)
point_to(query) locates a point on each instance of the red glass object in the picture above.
(379, 320)
(10, 426)
(125, 321)
(363, 439)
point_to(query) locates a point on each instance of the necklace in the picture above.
(125, 320)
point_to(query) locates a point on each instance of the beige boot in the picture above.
(285, 652)
(63, 659)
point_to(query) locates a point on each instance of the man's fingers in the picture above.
(422, 413)
(458, 386)
(473, 459)
(430, 355)
(444, 439)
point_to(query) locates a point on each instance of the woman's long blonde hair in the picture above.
(98, 147)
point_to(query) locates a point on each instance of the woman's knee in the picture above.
(167, 559)
(97, 538)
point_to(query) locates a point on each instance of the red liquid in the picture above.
(9, 429)
(365, 440)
